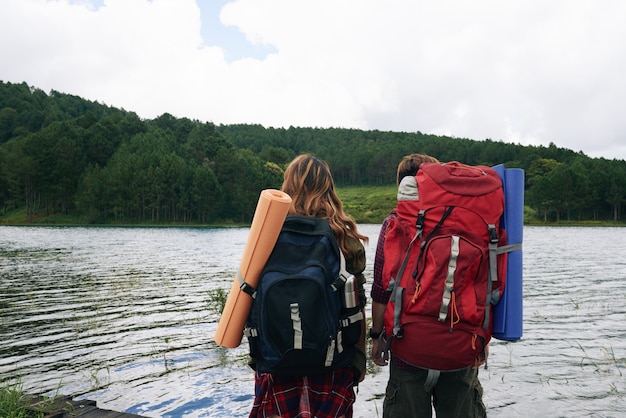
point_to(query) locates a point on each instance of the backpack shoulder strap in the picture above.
(340, 282)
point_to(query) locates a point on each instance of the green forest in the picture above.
(83, 162)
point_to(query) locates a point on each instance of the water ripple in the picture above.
(125, 316)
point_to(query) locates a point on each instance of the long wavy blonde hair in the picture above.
(309, 182)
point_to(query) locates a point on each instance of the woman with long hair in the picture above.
(308, 180)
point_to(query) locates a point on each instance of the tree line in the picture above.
(61, 154)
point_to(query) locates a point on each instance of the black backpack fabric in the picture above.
(305, 318)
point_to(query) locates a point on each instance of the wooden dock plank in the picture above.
(61, 406)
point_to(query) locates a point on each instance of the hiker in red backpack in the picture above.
(327, 393)
(411, 390)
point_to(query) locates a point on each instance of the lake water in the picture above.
(126, 317)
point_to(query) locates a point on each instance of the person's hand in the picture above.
(377, 352)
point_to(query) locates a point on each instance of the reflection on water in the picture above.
(126, 316)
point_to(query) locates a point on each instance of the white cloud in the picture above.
(528, 72)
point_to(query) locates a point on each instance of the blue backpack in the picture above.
(305, 318)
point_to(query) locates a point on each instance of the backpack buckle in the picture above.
(246, 288)
(419, 222)
(493, 234)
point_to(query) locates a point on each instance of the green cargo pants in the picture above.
(456, 394)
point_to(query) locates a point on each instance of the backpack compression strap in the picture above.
(297, 326)
(245, 287)
(493, 271)
(494, 251)
(297, 335)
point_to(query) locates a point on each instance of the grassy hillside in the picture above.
(365, 204)
(368, 204)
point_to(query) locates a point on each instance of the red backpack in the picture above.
(443, 264)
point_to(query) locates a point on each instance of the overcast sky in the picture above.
(529, 72)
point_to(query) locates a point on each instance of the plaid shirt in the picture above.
(326, 395)
(380, 293)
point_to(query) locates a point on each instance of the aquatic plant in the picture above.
(609, 354)
(13, 403)
(217, 300)
(94, 374)
(606, 365)
(159, 353)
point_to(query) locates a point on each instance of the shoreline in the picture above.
(64, 406)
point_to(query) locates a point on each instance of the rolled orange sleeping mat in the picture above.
(267, 222)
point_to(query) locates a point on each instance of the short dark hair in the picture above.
(411, 163)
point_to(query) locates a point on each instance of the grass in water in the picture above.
(217, 300)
